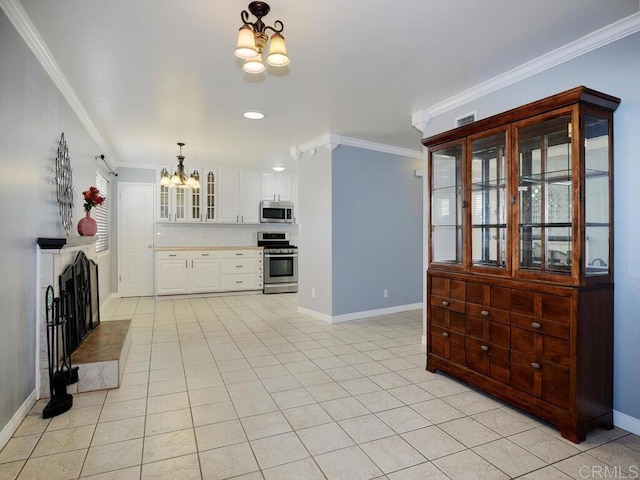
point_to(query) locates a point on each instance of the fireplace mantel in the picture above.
(57, 243)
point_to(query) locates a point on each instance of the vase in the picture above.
(87, 226)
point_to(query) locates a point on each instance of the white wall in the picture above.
(613, 69)
(33, 114)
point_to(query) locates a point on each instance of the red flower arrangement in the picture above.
(92, 198)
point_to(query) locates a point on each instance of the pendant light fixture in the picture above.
(252, 38)
(179, 179)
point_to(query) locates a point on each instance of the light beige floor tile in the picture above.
(239, 376)
(167, 387)
(366, 428)
(134, 379)
(118, 431)
(371, 368)
(389, 380)
(173, 373)
(509, 457)
(18, 448)
(168, 422)
(467, 465)
(397, 364)
(543, 445)
(309, 379)
(469, 432)
(471, 402)
(432, 442)
(165, 403)
(344, 408)
(250, 476)
(546, 473)
(217, 412)
(618, 455)
(115, 456)
(437, 411)
(76, 417)
(208, 396)
(324, 438)
(31, 425)
(130, 392)
(582, 466)
(392, 453)
(131, 473)
(410, 394)
(340, 374)
(169, 445)
(204, 381)
(303, 366)
(183, 468)
(328, 391)
(271, 371)
(227, 462)
(379, 401)
(59, 441)
(120, 410)
(419, 375)
(293, 398)
(359, 386)
(221, 434)
(306, 416)
(424, 471)
(442, 387)
(632, 441)
(277, 450)
(265, 425)
(302, 469)
(247, 407)
(61, 466)
(349, 463)
(10, 471)
(280, 384)
(246, 389)
(504, 422)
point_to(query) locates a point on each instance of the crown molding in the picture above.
(27, 30)
(592, 41)
(332, 141)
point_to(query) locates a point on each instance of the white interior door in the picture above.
(136, 237)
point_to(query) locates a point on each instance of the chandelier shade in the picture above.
(179, 179)
(246, 47)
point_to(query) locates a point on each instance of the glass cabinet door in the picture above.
(545, 196)
(488, 201)
(446, 205)
(597, 207)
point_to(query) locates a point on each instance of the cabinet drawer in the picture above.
(535, 324)
(238, 265)
(557, 308)
(175, 255)
(238, 282)
(444, 287)
(542, 305)
(489, 313)
(213, 254)
(488, 331)
(489, 295)
(447, 303)
(238, 253)
(541, 347)
(447, 344)
(488, 358)
(545, 380)
(447, 319)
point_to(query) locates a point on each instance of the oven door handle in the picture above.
(280, 255)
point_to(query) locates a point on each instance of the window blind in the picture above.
(102, 213)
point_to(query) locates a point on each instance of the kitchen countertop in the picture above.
(188, 249)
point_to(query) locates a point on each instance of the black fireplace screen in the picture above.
(80, 299)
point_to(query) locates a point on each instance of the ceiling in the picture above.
(150, 73)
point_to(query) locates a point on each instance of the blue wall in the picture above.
(613, 69)
(377, 230)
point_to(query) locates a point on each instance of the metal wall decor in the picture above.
(64, 184)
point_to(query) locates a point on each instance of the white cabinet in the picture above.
(240, 196)
(276, 186)
(189, 205)
(204, 271)
(171, 273)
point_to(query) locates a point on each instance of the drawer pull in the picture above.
(445, 334)
(239, 266)
(239, 281)
(536, 325)
(485, 313)
(173, 255)
(445, 303)
(535, 365)
(205, 254)
(239, 254)
(484, 348)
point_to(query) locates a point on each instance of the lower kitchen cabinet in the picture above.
(208, 271)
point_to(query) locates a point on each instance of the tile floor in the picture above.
(245, 387)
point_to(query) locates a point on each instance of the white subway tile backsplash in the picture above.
(217, 235)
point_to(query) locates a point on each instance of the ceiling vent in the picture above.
(466, 119)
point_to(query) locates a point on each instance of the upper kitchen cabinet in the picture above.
(276, 186)
(190, 205)
(520, 275)
(240, 196)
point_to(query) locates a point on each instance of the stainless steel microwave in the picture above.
(276, 212)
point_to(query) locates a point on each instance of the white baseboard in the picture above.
(626, 422)
(11, 427)
(358, 315)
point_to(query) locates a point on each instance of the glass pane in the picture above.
(488, 201)
(597, 195)
(545, 194)
(211, 196)
(446, 205)
(195, 199)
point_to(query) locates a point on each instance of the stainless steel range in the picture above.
(280, 262)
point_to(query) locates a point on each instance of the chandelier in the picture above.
(252, 38)
(179, 179)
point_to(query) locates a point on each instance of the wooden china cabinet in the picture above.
(520, 277)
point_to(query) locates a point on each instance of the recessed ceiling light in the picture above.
(251, 115)
(278, 168)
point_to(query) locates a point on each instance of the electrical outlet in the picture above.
(385, 293)
(313, 292)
